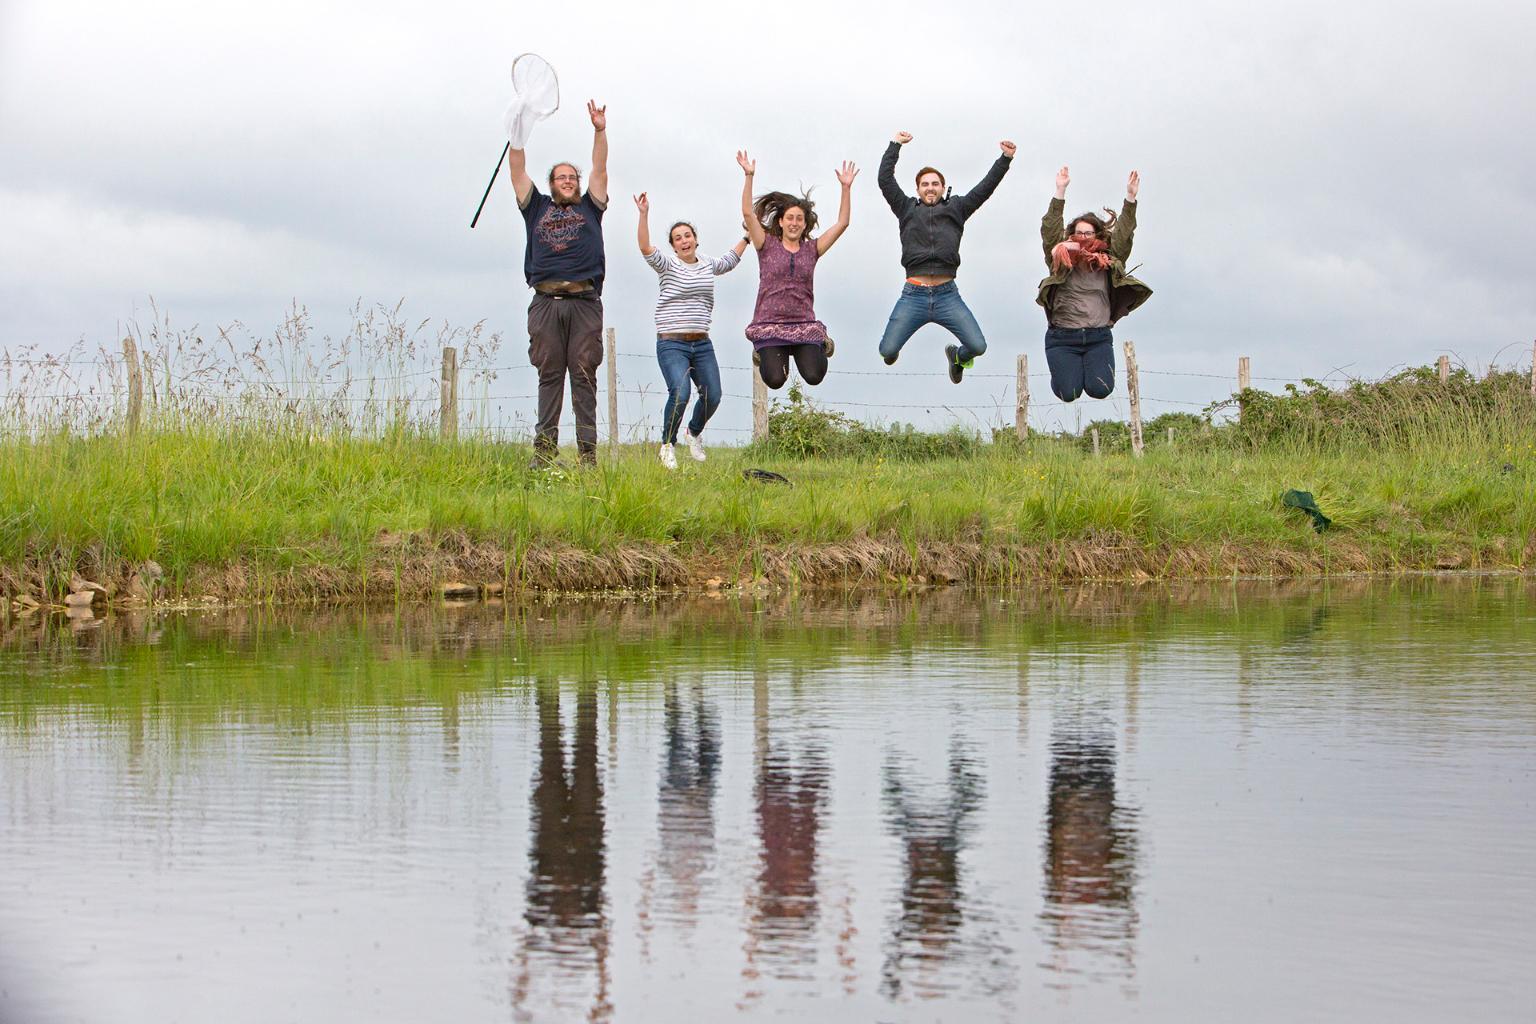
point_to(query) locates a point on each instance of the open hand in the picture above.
(1063, 179)
(1133, 186)
(644, 203)
(599, 115)
(1008, 148)
(747, 166)
(902, 138)
(846, 174)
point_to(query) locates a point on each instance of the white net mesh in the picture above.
(535, 95)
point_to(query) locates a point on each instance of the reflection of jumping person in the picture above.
(563, 263)
(683, 313)
(784, 323)
(931, 227)
(1087, 292)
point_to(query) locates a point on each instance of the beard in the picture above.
(561, 200)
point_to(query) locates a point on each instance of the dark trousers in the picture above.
(565, 336)
(1082, 359)
(773, 363)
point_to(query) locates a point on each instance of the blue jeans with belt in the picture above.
(681, 361)
(937, 304)
(1082, 360)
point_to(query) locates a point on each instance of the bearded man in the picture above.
(931, 227)
(563, 264)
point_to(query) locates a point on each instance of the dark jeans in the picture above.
(565, 336)
(681, 360)
(940, 304)
(1082, 359)
(773, 363)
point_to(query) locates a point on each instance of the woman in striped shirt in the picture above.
(683, 312)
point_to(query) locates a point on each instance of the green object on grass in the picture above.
(1304, 501)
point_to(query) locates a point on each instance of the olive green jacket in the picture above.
(1125, 292)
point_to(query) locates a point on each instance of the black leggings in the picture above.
(1082, 359)
(773, 363)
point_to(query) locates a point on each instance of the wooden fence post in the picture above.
(1443, 365)
(759, 407)
(1244, 382)
(448, 408)
(1095, 432)
(611, 353)
(1170, 437)
(135, 384)
(1021, 391)
(1133, 390)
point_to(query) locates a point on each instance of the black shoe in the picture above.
(889, 360)
(952, 354)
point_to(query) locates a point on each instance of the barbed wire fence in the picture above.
(113, 391)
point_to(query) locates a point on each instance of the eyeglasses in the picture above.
(566, 177)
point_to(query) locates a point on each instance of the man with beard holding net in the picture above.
(563, 264)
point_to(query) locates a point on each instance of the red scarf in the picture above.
(1090, 255)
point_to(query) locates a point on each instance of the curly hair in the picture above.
(771, 206)
(1101, 227)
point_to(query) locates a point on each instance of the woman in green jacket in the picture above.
(1087, 292)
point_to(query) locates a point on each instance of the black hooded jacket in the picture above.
(930, 235)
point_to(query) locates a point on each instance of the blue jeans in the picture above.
(1082, 359)
(679, 361)
(940, 304)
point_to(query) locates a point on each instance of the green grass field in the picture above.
(1413, 477)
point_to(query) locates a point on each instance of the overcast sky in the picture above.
(1341, 186)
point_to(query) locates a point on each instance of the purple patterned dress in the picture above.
(786, 297)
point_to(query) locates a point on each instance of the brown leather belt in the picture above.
(686, 336)
(564, 287)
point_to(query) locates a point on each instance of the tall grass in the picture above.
(287, 467)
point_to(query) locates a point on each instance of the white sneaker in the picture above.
(668, 457)
(695, 446)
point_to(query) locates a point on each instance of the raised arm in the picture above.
(517, 165)
(886, 177)
(643, 232)
(829, 237)
(749, 220)
(727, 263)
(597, 184)
(1052, 229)
(1124, 232)
(972, 200)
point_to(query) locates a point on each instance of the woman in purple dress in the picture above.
(784, 323)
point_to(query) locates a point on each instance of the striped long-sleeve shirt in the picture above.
(687, 290)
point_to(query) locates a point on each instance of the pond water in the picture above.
(1243, 801)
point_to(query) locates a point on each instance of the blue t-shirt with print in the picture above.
(565, 243)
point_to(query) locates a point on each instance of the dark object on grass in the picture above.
(1508, 467)
(1304, 501)
(764, 476)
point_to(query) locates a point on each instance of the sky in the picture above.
(1332, 189)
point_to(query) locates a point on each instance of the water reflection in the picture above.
(1089, 913)
(835, 810)
(790, 783)
(932, 829)
(690, 771)
(566, 916)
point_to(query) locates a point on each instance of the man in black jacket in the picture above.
(931, 227)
